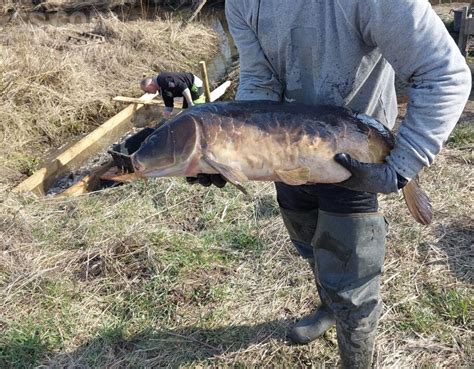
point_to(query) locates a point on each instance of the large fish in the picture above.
(265, 141)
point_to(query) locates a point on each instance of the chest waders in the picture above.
(342, 236)
(301, 226)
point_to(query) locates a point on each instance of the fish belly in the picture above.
(263, 145)
(262, 159)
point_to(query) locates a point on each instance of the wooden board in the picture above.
(464, 31)
(137, 101)
(115, 174)
(95, 141)
(219, 91)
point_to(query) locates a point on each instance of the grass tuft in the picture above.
(462, 135)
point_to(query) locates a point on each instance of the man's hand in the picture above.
(368, 177)
(207, 179)
(166, 114)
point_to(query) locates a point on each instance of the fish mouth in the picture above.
(138, 167)
(172, 171)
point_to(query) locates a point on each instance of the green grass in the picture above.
(437, 310)
(161, 273)
(419, 318)
(462, 135)
(25, 163)
(24, 347)
(454, 306)
(49, 323)
(241, 239)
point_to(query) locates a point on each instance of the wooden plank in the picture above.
(469, 27)
(219, 91)
(115, 174)
(196, 11)
(134, 100)
(463, 36)
(207, 90)
(95, 141)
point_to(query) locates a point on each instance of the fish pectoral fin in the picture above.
(232, 175)
(294, 177)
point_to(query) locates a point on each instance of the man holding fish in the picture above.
(322, 72)
(346, 53)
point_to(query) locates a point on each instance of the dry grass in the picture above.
(162, 274)
(52, 90)
(158, 274)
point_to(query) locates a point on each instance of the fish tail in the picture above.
(418, 202)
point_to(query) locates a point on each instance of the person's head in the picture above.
(149, 85)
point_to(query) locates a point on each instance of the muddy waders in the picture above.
(301, 226)
(339, 232)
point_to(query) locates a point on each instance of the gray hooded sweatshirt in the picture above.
(346, 53)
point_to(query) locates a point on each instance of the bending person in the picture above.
(175, 84)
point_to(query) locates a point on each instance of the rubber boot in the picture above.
(301, 226)
(312, 326)
(349, 252)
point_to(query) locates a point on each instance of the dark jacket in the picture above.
(173, 84)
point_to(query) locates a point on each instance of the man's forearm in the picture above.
(418, 46)
(188, 97)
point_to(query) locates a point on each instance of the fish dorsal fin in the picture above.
(294, 177)
(232, 175)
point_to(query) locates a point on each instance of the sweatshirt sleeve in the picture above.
(416, 43)
(257, 79)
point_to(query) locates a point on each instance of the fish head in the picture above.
(168, 150)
